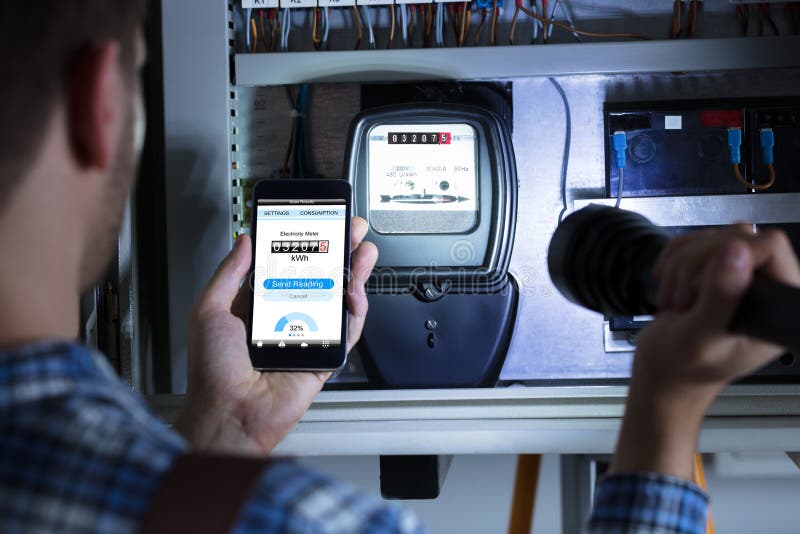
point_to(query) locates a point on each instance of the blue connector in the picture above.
(487, 4)
(620, 143)
(735, 145)
(767, 143)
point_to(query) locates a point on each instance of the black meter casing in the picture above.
(442, 303)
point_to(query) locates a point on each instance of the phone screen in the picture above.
(299, 274)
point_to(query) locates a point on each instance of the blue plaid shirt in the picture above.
(648, 503)
(80, 452)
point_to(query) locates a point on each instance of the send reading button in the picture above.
(298, 283)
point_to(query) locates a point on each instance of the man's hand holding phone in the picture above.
(230, 407)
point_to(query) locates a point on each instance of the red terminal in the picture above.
(722, 118)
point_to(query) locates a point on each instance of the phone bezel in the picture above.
(295, 358)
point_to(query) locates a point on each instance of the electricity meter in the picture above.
(437, 185)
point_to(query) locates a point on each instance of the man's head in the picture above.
(70, 110)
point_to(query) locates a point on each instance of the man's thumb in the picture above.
(725, 280)
(224, 285)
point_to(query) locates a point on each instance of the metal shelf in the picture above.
(515, 420)
(709, 210)
(475, 63)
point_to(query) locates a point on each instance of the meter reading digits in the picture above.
(301, 251)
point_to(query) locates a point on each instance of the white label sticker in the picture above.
(423, 167)
(260, 4)
(298, 3)
(375, 2)
(336, 3)
(673, 122)
(448, 1)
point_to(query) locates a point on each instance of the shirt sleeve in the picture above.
(647, 503)
(292, 499)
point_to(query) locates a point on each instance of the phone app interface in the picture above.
(299, 273)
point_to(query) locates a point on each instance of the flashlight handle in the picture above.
(769, 310)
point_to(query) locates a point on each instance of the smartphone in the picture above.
(301, 261)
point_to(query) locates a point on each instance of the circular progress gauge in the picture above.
(296, 324)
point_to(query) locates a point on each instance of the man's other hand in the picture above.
(230, 407)
(687, 355)
(703, 277)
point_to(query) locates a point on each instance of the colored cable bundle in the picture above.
(572, 29)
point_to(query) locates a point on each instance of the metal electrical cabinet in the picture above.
(560, 389)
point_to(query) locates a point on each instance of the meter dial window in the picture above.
(423, 178)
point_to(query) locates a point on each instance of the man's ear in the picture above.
(94, 111)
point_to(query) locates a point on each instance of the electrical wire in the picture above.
(317, 41)
(368, 20)
(513, 26)
(451, 10)
(288, 157)
(536, 23)
(765, 12)
(426, 40)
(567, 16)
(620, 186)
(757, 187)
(567, 143)
(404, 24)
(248, 26)
(286, 28)
(359, 33)
(254, 33)
(692, 19)
(743, 14)
(300, 155)
(392, 27)
(263, 27)
(545, 27)
(479, 30)
(676, 19)
(463, 33)
(326, 17)
(584, 32)
(271, 16)
(495, 16)
(411, 10)
(440, 25)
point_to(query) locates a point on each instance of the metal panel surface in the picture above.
(499, 62)
(196, 114)
(555, 339)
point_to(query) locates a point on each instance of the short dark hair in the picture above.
(39, 41)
